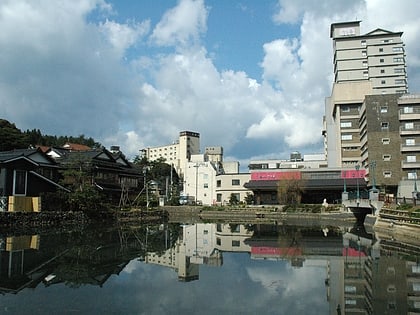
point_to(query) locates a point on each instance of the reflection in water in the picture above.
(335, 270)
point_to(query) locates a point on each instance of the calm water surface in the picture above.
(209, 269)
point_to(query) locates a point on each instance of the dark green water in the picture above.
(208, 269)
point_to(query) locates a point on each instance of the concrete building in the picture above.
(380, 140)
(178, 153)
(212, 183)
(364, 64)
(409, 126)
(377, 56)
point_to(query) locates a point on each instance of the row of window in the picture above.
(384, 41)
(235, 182)
(164, 149)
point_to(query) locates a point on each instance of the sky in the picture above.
(248, 75)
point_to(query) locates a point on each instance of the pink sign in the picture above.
(353, 174)
(275, 175)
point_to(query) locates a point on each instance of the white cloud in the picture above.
(66, 74)
(122, 36)
(181, 25)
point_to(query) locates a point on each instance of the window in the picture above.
(219, 197)
(410, 142)
(383, 82)
(386, 157)
(381, 60)
(364, 63)
(218, 241)
(416, 286)
(397, 49)
(386, 140)
(409, 125)
(408, 110)
(398, 70)
(399, 81)
(398, 59)
(412, 175)
(345, 109)
(364, 53)
(218, 183)
(236, 243)
(381, 50)
(350, 289)
(236, 182)
(384, 109)
(387, 174)
(19, 182)
(382, 70)
(363, 42)
(384, 125)
(206, 185)
(411, 158)
(350, 302)
(345, 124)
(415, 269)
(365, 73)
(346, 137)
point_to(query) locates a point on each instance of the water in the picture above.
(209, 269)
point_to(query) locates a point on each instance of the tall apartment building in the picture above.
(380, 140)
(364, 64)
(178, 153)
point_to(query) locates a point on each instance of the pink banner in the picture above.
(353, 174)
(275, 175)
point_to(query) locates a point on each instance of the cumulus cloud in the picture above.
(135, 84)
(181, 25)
(122, 36)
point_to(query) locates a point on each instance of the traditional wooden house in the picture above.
(110, 172)
(24, 175)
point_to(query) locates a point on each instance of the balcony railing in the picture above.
(415, 130)
(410, 148)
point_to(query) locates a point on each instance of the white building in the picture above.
(178, 153)
(364, 64)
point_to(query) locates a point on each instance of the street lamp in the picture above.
(415, 189)
(152, 183)
(373, 167)
(196, 165)
(357, 181)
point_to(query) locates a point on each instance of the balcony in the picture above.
(409, 131)
(410, 148)
(410, 165)
(414, 115)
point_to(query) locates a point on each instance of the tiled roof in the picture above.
(76, 147)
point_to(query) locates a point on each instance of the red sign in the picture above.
(353, 174)
(275, 175)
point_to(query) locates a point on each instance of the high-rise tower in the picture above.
(369, 64)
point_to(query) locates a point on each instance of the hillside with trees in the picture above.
(12, 137)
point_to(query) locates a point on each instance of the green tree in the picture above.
(11, 137)
(249, 198)
(233, 200)
(289, 191)
(162, 173)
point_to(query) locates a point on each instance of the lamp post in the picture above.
(196, 165)
(373, 167)
(415, 189)
(357, 182)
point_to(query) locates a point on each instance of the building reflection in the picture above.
(365, 273)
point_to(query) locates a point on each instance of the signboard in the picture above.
(275, 175)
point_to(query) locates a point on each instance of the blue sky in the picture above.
(250, 76)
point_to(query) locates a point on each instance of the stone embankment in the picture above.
(190, 214)
(27, 222)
